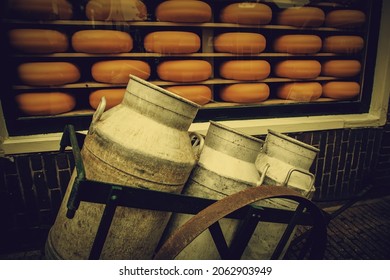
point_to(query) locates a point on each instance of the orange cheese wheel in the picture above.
(301, 17)
(240, 42)
(341, 68)
(45, 103)
(118, 71)
(246, 13)
(116, 10)
(300, 91)
(298, 44)
(245, 93)
(38, 40)
(345, 44)
(199, 94)
(41, 9)
(183, 11)
(172, 42)
(48, 73)
(298, 69)
(341, 90)
(345, 18)
(113, 96)
(102, 41)
(245, 70)
(191, 70)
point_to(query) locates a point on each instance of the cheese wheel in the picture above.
(118, 71)
(199, 94)
(298, 69)
(41, 9)
(298, 44)
(345, 18)
(191, 70)
(45, 103)
(102, 41)
(48, 73)
(341, 68)
(113, 96)
(172, 42)
(300, 91)
(246, 13)
(301, 17)
(245, 93)
(345, 44)
(341, 90)
(38, 40)
(183, 11)
(116, 10)
(240, 42)
(245, 70)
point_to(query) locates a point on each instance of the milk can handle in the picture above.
(301, 171)
(263, 174)
(197, 143)
(98, 114)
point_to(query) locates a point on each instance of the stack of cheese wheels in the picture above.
(48, 73)
(199, 94)
(240, 42)
(41, 9)
(116, 10)
(301, 17)
(298, 44)
(45, 103)
(118, 71)
(246, 13)
(298, 69)
(344, 44)
(38, 40)
(300, 91)
(191, 11)
(186, 70)
(341, 89)
(244, 93)
(113, 97)
(345, 18)
(245, 70)
(172, 42)
(102, 41)
(341, 68)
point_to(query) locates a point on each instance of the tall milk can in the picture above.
(143, 142)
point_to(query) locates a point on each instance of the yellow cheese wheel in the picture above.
(199, 94)
(48, 73)
(102, 41)
(38, 40)
(300, 91)
(191, 70)
(341, 89)
(172, 42)
(183, 11)
(118, 71)
(245, 92)
(301, 17)
(246, 13)
(116, 10)
(341, 68)
(298, 69)
(345, 44)
(240, 42)
(245, 70)
(41, 9)
(298, 44)
(345, 18)
(45, 103)
(113, 96)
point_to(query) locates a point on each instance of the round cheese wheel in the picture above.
(245, 70)
(341, 89)
(116, 10)
(300, 91)
(341, 68)
(102, 41)
(345, 44)
(45, 103)
(301, 17)
(41, 9)
(38, 40)
(345, 18)
(172, 42)
(183, 11)
(118, 71)
(113, 96)
(48, 73)
(246, 13)
(298, 69)
(240, 42)
(245, 93)
(199, 94)
(191, 70)
(298, 44)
